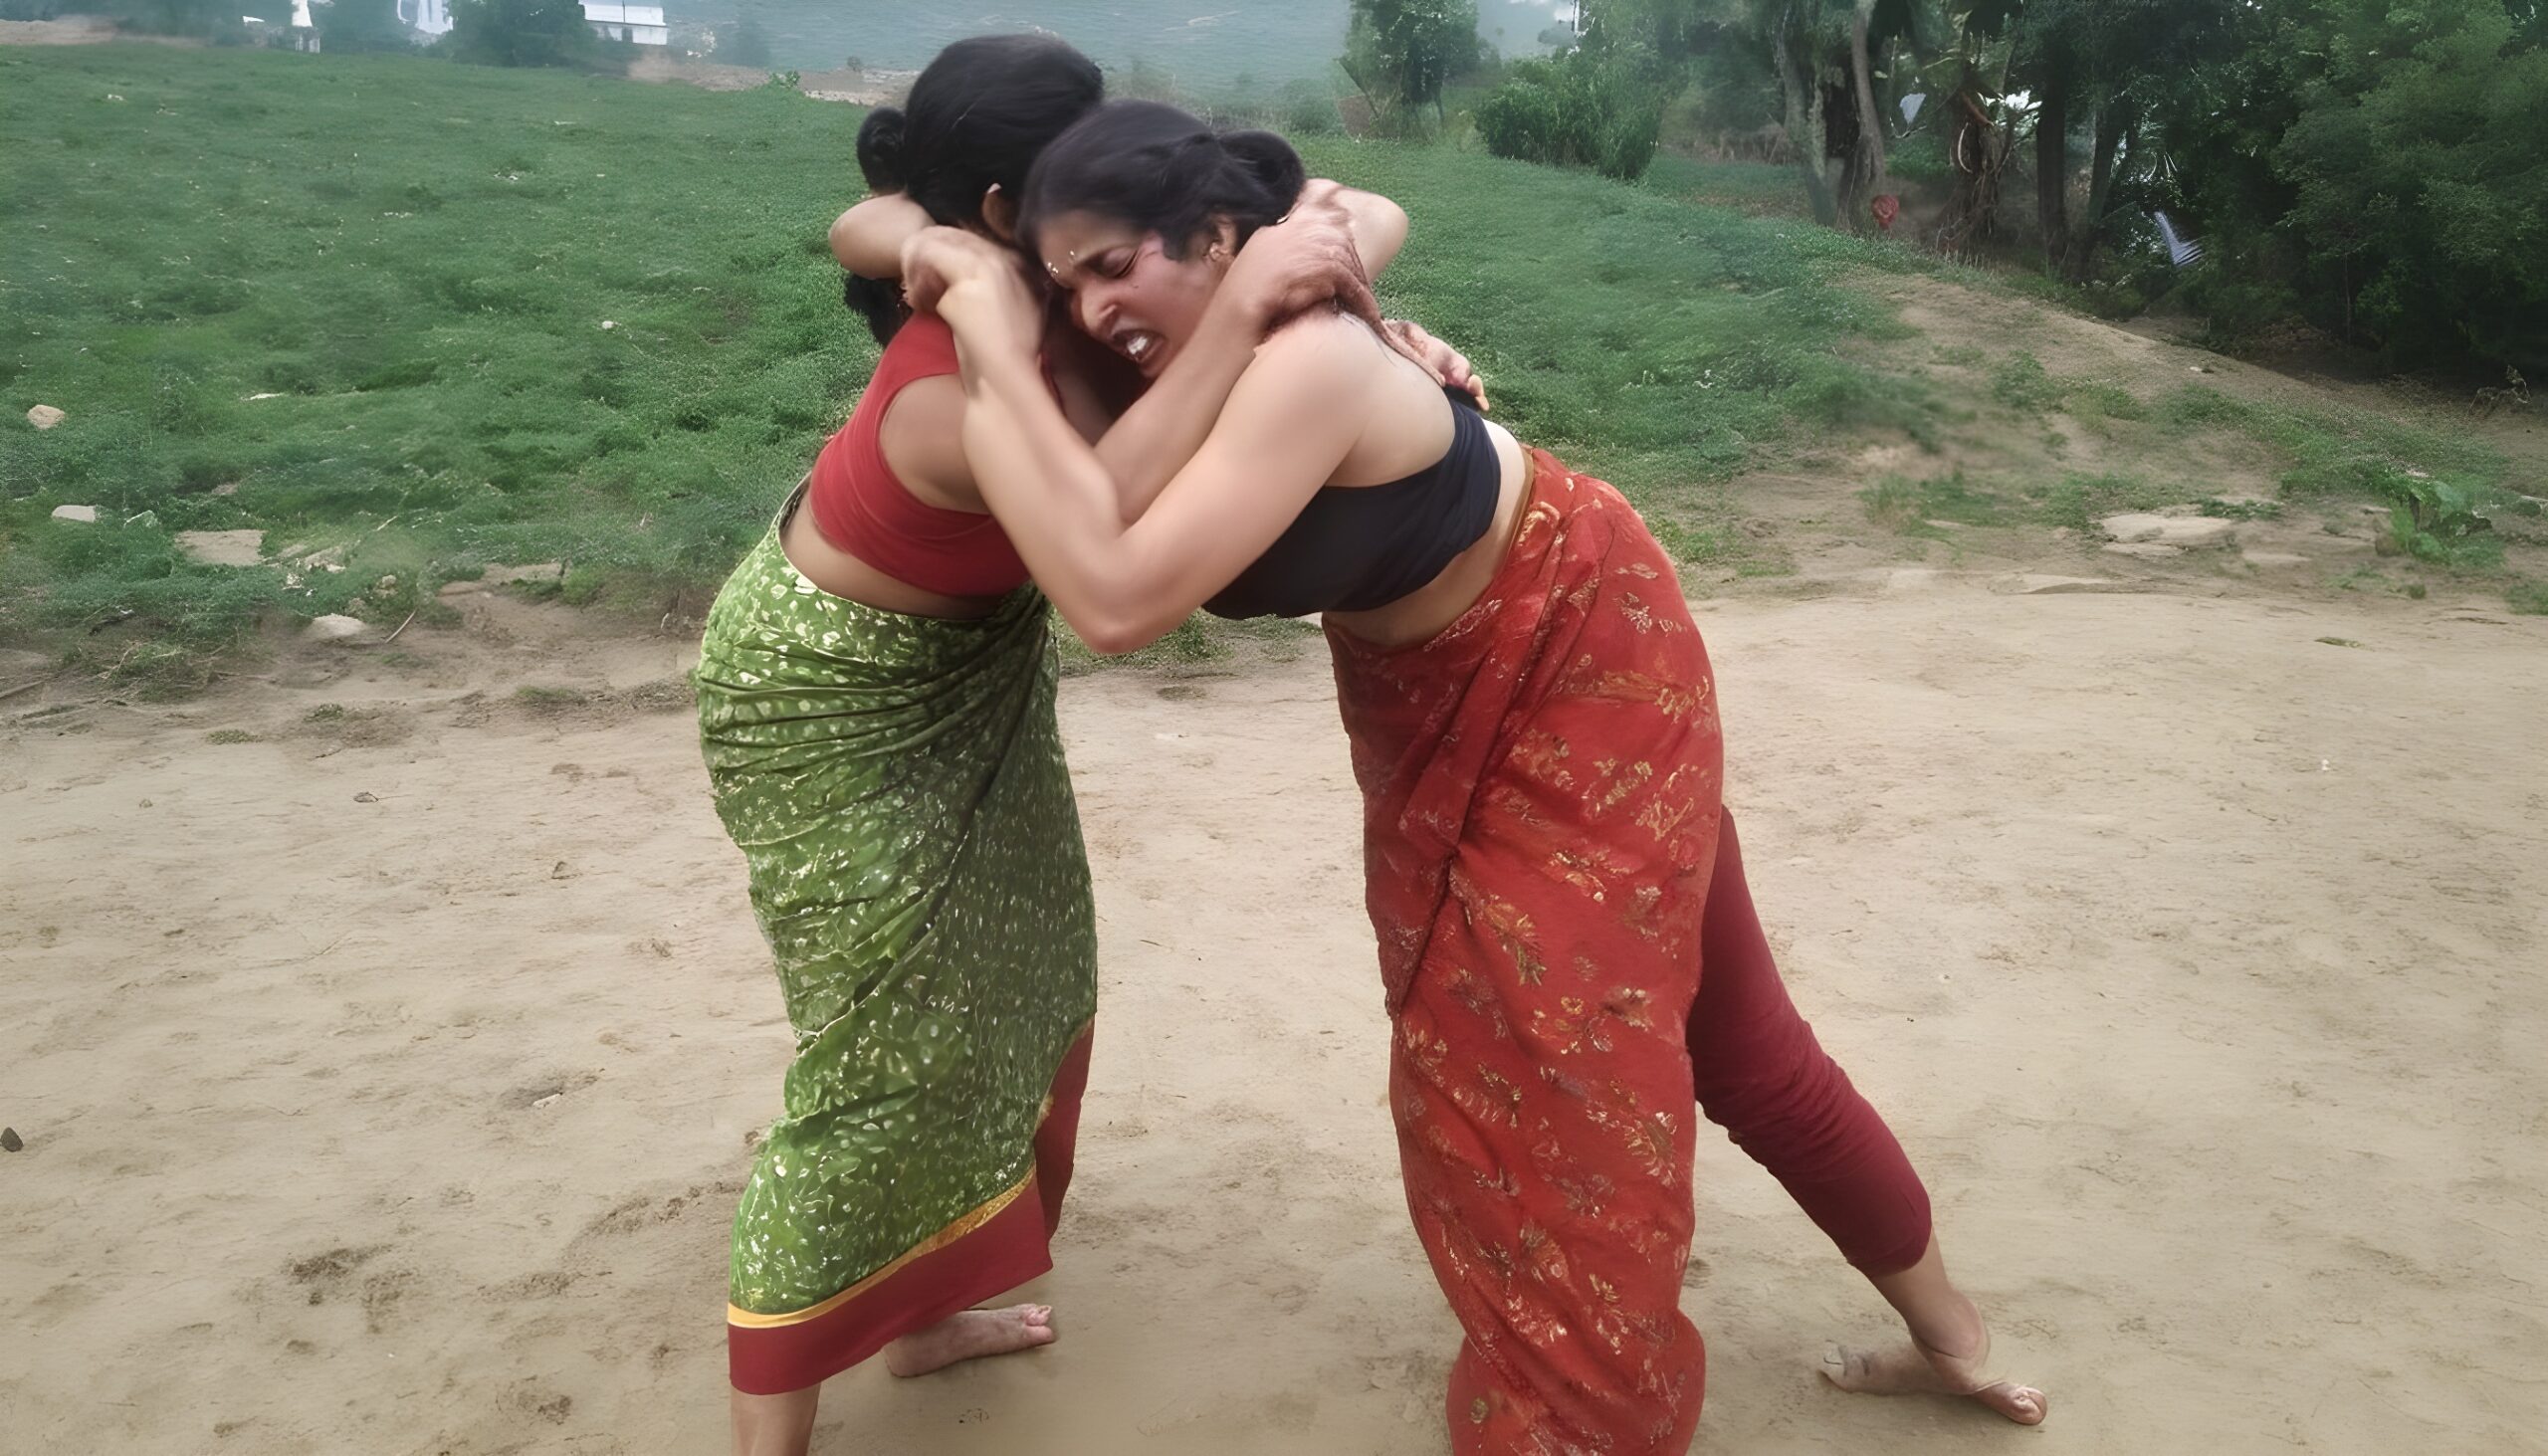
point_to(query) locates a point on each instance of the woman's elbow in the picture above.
(1117, 637)
(1112, 631)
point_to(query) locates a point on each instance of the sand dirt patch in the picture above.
(394, 1097)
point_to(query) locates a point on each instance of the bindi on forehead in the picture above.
(1078, 260)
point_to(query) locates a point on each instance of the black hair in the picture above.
(1160, 169)
(975, 119)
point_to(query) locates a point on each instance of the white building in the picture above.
(612, 20)
(426, 17)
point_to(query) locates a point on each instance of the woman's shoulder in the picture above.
(924, 346)
(1335, 347)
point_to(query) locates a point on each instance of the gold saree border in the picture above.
(962, 1227)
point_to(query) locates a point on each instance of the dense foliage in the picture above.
(2379, 167)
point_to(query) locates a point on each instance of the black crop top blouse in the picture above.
(1356, 548)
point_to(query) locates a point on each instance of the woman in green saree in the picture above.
(876, 705)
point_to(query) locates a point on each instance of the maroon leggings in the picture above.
(1760, 1075)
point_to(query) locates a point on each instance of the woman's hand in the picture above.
(1305, 259)
(1447, 363)
(979, 287)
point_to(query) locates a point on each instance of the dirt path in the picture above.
(384, 1080)
(857, 87)
(78, 30)
(1811, 504)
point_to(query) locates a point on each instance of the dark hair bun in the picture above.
(880, 157)
(1271, 160)
(1161, 170)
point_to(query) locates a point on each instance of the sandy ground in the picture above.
(384, 1080)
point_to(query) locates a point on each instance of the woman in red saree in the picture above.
(1535, 732)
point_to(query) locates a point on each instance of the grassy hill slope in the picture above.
(428, 317)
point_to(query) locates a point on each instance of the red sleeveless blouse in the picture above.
(861, 506)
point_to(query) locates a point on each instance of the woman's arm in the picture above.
(1379, 225)
(1311, 257)
(868, 238)
(1333, 241)
(1288, 423)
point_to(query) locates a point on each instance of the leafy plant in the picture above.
(1571, 112)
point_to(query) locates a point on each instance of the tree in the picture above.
(1809, 50)
(356, 27)
(1403, 51)
(521, 32)
(2107, 63)
(1821, 52)
(2420, 198)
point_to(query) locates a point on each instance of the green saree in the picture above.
(897, 786)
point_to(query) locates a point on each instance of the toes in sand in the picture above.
(1911, 1368)
(971, 1334)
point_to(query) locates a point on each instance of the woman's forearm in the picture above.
(868, 238)
(1379, 229)
(1146, 448)
(1054, 497)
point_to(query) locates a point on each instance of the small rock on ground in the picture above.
(334, 627)
(44, 417)
(496, 576)
(2172, 530)
(85, 515)
(2038, 584)
(223, 547)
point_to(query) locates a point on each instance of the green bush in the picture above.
(2236, 308)
(523, 33)
(1308, 109)
(361, 26)
(1580, 110)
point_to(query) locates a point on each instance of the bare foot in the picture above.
(1912, 1367)
(971, 1336)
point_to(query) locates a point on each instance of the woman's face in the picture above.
(1125, 291)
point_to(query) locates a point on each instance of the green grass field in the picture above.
(430, 318)
(441, 315)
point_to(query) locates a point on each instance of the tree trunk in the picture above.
(1868, 160)
(1843, 158)
(2052, 166)
(1978, 151)
(1371, 98)
(2114, 119)
(1801, 100)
